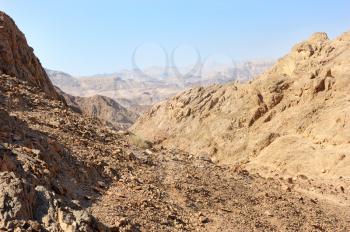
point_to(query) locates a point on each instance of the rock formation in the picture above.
(18, 59)
(293, 120)
(41, 181)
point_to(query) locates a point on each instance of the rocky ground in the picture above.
(176, 192)
(61, 171)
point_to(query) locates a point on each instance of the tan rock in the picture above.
(290, 120)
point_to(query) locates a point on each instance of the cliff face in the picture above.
(293, 120)
(18, 59)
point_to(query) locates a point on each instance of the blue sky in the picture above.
(88, 37)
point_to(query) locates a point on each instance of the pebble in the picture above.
(131, 155)
(36, 152)
(122, 132)
(287, 188)
(102, 184)
(205, 220)
(303, 177)
(17, 137)
(55, 123)
(268, 213)
(117, 151)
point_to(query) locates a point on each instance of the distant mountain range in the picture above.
(137, 90)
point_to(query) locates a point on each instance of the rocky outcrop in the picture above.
(33, 196)
(25, 207)
(18, 59)
(292, 120)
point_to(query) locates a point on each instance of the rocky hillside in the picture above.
(293, 120)
(18, 59)
(138, 91)
(103, 108)
(42, 183)
(62, 171)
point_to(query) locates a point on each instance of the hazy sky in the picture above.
(85, 37)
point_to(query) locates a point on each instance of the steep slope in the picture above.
(44, 169)
(103, 108)
(18, 59)
(293, 120)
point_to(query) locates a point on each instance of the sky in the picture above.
(85, 37)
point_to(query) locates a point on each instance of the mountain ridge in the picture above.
(103, 108)
(261, 124)
(136, 90)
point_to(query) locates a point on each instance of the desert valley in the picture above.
(263, 146)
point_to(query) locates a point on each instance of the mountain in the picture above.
(18, 58)
(70, 83)
(103, 108)
(291, 121)
(39, 176)
(63, 171)
(138, 90)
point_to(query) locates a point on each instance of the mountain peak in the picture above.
(319, 37)
(344, 37)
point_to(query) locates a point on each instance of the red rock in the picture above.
(18, 59)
